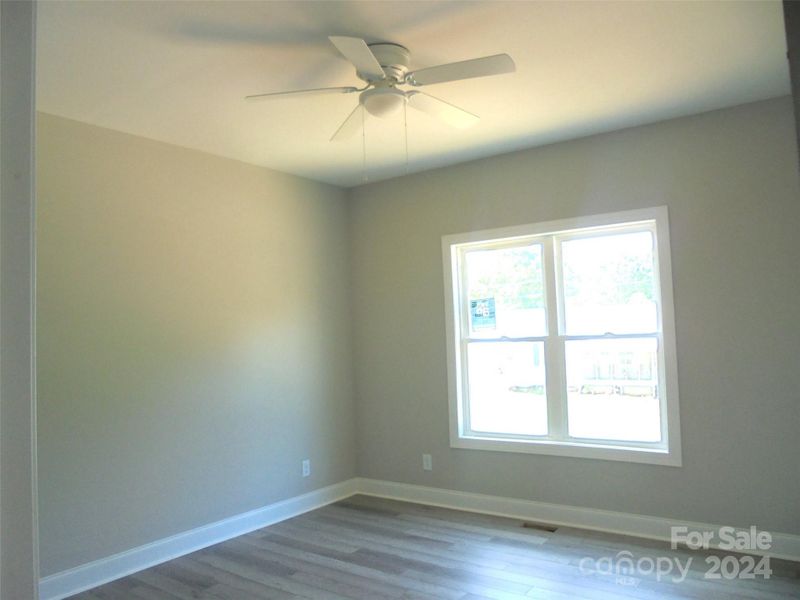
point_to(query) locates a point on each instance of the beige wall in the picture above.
(193, 336)
(194, 327)
(730, 181)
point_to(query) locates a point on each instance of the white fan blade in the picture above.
(452, 115)
(352, 125)
(330, 90)
(466, 69)
(357, 52)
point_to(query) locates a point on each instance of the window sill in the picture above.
(570, 449)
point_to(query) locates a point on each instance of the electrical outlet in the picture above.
(306, 467)
(427, 462)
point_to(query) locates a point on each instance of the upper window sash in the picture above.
(560, 238)
(553, 280)
(460, 255)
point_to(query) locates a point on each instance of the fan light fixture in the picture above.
(383, 102)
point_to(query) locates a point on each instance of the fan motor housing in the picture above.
(393, 58)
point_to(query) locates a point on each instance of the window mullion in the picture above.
(554, 348)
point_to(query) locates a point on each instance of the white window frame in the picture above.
(557, 442)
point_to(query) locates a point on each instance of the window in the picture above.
(561, 338)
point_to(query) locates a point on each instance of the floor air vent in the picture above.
(540, 526)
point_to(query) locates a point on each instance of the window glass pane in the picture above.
(609, 284)
(505, 292)
(507, 387)
(612, 389)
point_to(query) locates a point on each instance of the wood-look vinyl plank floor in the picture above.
(366, 548)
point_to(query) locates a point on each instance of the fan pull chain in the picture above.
(364, 178)
(405, 129)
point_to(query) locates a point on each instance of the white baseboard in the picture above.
(784, 545)
(66, 583)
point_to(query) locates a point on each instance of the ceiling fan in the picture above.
(384, 67)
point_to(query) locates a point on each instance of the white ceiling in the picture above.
(177, 72)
